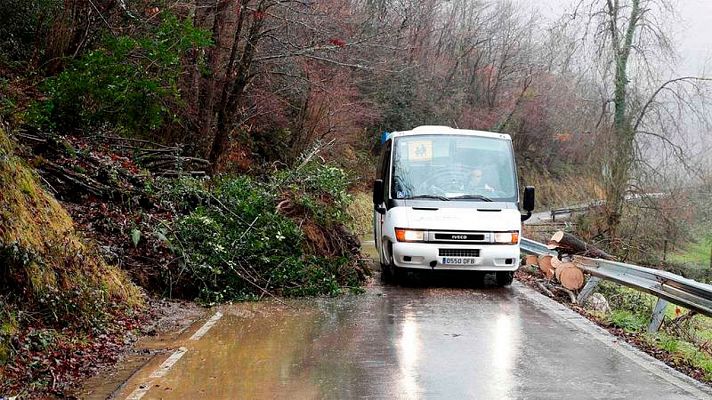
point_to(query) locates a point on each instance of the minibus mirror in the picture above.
(377, 192)
(529, 198)
(528, 204)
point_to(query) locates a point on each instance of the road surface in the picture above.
(443, 341)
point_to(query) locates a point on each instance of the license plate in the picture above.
(460, 260)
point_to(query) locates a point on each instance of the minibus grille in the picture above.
(459, 236)
(459, 252)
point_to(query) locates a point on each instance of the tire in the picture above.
(387, 273)
(399, 274)
(504, 278)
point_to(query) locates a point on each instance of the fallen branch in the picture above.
(545, 290)
(571, 294)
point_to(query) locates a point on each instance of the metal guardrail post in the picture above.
(591, 285)
(658, 315)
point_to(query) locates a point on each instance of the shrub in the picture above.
(128, 82)
(20, 23)
(285, 235)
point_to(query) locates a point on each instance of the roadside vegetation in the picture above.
(684, 340)
(241, 238)
(56, 291)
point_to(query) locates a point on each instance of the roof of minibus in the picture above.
(446, 130)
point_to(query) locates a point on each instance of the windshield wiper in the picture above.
(471, 197)
(428, 196)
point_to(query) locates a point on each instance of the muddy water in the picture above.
(403, 343)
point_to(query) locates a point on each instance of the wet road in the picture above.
(406, 343)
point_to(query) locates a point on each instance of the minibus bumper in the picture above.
(491, 257)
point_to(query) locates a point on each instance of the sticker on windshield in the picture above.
(420, 150)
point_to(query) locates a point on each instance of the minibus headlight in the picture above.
(410, 235)
(506, 237)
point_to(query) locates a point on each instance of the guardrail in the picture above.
(568, 211)
(597, 203)
(666, 286)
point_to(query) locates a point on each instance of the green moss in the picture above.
(8, 328)
(6, 145)
(4, 352)
(51, 269)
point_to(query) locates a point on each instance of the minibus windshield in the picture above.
(453, 167)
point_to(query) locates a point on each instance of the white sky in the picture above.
(692, 31)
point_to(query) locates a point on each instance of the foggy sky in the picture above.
(692, 32)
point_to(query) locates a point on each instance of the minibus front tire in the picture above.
(387, 272)
(504, 278)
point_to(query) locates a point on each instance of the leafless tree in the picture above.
(634, 52)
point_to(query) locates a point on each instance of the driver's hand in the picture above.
(489, 188)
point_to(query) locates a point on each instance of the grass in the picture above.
(627, 320)
(686, 343)
(568, 190)
(696, 253)
(682, 351)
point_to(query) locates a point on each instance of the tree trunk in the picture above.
(232, 91)
(570, 276)
(622, 155)
(568, 243)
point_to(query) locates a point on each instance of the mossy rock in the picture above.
(44, 262)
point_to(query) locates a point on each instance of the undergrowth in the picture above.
(244, 238)
(685, 338)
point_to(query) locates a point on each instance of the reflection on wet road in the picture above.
(404, 343)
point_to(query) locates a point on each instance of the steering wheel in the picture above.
(444, 181)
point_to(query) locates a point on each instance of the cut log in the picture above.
(559, 267)
(545, 265)
(531, 260)
(570, 276)
(568, 243)
(556, 263)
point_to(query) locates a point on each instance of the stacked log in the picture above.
(563, 271)
(569, 275)
(546, 266)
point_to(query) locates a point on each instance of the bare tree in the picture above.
(634, 52)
